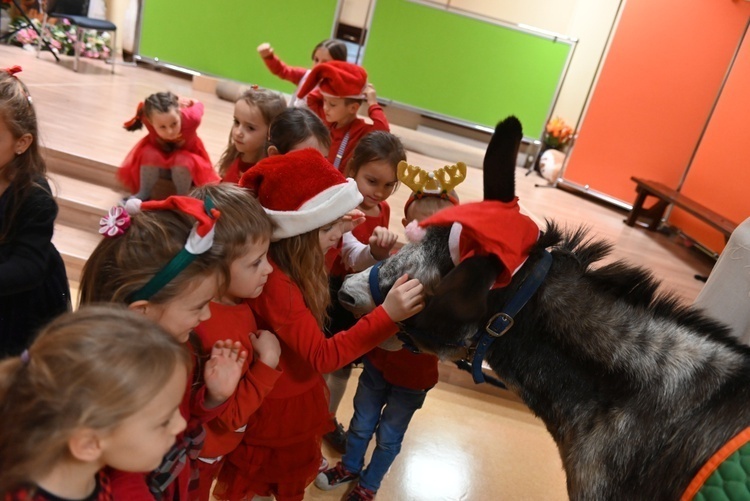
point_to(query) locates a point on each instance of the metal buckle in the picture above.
(507, 318)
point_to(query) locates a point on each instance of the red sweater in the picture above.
(305, 351)
(416, 371)
(357, 130)
(235, 171)
(281, 70)
(235, 322)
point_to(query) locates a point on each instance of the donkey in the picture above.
(637, 390)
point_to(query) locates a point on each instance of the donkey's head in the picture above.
(457, 286)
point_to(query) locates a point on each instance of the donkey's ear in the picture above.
(462, 293)
(500, 161)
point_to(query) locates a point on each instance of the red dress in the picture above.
(128, 486)
(280, 452)
(235, 171)
(188, 152)
(224, 432)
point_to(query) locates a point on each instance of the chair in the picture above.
(75, 11)
(726, 295)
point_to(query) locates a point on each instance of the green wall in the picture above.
(464, 68)
(420, 56)
(220, 37)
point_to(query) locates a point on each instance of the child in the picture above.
(296, 129)
(393, 384)
(306, 198)
(33, 283)
(98, 387)
(343, 87)
(243, 234)
(327, 50)
(170, 149)
(253, 113)
(373, 167)
(157, 262)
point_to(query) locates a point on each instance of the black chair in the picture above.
(75, 11)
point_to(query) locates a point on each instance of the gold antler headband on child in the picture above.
(438, 183)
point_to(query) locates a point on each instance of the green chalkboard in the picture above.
(220, 37)
(461, 67)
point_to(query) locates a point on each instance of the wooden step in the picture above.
(82, 204)
(75, 246)
(78, 167)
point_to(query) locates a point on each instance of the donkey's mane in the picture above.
(629, 283)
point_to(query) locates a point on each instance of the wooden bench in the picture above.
(667, 196)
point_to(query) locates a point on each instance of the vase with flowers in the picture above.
(557, 136)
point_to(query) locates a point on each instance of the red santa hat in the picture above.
(488, 228)
(336, 79)
(301, 191)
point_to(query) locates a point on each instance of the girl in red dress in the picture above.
(171, 148)
(308, 200)
(156, 260)
(85, 396)
(253, 113)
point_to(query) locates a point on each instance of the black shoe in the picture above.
(337, 438)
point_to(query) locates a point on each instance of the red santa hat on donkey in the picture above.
(336, 79)
(301, 191)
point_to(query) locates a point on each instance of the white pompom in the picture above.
(133, 205)
(414, 232)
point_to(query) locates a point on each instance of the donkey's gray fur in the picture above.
(637, 390)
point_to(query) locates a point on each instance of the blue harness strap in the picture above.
(375, 292)
(501, 322)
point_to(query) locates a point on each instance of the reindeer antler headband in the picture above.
(438, 183)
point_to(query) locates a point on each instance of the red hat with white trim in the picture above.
(301, 191)
(336, 79)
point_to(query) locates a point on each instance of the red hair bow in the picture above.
(13, 70)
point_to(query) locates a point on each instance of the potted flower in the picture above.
(557, 136)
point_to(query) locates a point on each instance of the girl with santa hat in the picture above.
(309, 202)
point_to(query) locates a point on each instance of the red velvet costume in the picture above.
(153, 151)
(281, 447)
(235, 171)
(127, 486)
(224, 432)
(361, 232)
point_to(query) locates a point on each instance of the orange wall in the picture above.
(719, 176)
(655, 91)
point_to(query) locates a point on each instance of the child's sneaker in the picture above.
(333, 477)
(337, 438)
(359, 493)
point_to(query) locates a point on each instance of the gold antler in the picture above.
(450, 176)
(412, 176)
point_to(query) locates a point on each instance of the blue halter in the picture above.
(497, 326)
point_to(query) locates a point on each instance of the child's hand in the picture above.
(370, 94)
(381, 242)
(405, 299)
(184, 102)
(265, 50)
(266, 347)
(223, 371)
(351, 220)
